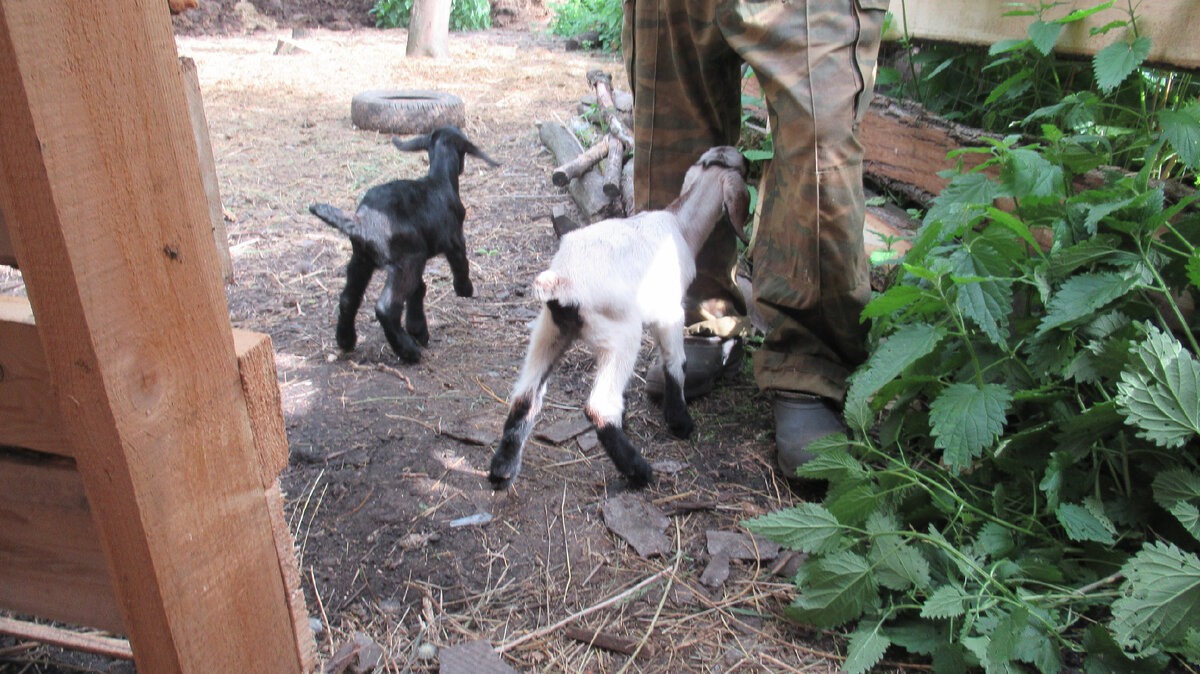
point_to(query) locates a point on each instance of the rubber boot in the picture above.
(801, 419)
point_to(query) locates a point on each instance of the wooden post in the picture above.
(102, 195)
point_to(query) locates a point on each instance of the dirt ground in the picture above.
(385, 457)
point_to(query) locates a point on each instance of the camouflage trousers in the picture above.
(815, 61)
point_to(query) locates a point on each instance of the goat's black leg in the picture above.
(615, 359)
(358, 275)
(414, 315)
(390, 310)
(624, 455)
(555, 330)
(461, 271)
(670, 343)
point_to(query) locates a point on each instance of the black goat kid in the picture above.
(398, 226)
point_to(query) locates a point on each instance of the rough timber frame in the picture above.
(149, 503)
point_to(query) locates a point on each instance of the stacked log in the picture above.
(599, 178)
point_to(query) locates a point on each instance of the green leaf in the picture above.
(832, 464)
(1117, 61)
(1175, 485)
(834, 590)
(1080, 14)
(893, 299)
(1188, 515)
(1085, 524)
(1178, 491)
(1044, 36)
(1159, 391)
(852, 501)
(917, 636)
(902, 348)
(898, 565)
(1004, 639)
(1160, 599)
(1027, 173)
(807, 527)
(866, 648)
(995, 540)
(987, 301)
(948, 601)
(966, 419)
(1104, 656)
(1182, 130)
(1081, 296)
(1193, 268)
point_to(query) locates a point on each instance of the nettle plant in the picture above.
(1020, 486)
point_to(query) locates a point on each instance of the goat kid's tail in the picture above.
(550, 286)
(336, 217)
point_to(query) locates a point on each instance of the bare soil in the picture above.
(385, 457)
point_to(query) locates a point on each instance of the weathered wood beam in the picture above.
(101, 192)
(1171, 25)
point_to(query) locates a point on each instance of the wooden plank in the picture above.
(260, 384)
(29, 412)
(290, 569)
(6, 254)
(51, 563)
(76, 641)
(101, 191)
(1168, 23)
(29, 415)
(208, 165)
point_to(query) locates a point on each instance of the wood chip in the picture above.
(609, 641)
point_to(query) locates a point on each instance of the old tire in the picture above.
(405, 111)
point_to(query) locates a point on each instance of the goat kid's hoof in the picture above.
(464, 289)
(682, 429)
(420, 336)
(503, 473)
(346, 341)
(641, 477)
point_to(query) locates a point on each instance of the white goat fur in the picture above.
(621, 275)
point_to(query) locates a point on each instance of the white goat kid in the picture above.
(604, 284)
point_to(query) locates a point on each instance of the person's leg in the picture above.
(686, 86)
(815, 61)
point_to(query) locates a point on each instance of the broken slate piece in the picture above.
(668, 467)
(741, 546)
(360, 655)
(473, 657)
(477, 430)
(717, 571)
(588, 441)
(638, 522)
(561, 431)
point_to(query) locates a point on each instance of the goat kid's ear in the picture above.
(476, 152)
(412, 144)
(737, 203)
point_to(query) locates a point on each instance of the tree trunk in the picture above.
(429, 29)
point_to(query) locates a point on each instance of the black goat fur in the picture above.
(399, 226)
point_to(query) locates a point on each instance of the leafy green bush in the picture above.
(1112, 101)
(464, 14)
(574, 17)
(1021, 479)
